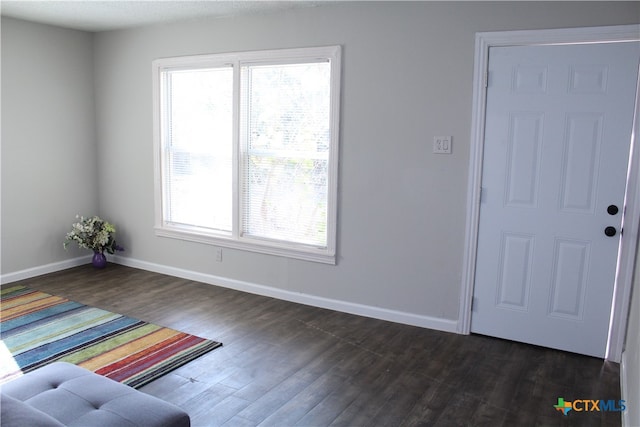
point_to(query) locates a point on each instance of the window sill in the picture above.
(303, 252)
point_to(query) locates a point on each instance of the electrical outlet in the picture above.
(219, 254)
(442, 144)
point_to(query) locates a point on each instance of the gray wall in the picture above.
(49, 164)
(407, 76)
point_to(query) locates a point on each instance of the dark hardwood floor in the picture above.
(285, 364)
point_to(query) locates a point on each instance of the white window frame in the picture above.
(234, 240)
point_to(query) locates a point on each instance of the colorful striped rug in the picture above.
(37, 328)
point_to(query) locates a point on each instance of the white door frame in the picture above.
(627, 254)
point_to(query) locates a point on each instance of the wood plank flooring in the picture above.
(286, 364)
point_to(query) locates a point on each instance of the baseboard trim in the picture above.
(412, 319)
(444, 325)
(43, 269)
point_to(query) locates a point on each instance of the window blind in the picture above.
(199, 176)
(285, 137)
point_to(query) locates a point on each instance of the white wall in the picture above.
(407, 76)
(49, 167)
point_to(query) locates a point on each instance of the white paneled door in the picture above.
(556, 151)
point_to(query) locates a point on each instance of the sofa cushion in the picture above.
(75, 396)
(15, 413)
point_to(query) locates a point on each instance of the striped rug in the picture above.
(37, 328)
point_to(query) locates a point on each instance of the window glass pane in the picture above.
(200, 148)
(286, 134)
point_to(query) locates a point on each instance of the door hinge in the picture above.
(474, 304)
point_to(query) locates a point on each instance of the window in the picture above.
(247, 150)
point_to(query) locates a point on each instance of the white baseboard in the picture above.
(254, 288)
(43, 269)
(312, 300)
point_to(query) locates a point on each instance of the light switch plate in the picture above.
(442, 144)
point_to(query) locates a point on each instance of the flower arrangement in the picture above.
(93, 233)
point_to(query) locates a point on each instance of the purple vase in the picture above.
(99, 260)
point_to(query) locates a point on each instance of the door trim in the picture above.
(627, 254)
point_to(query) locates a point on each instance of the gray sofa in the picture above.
(62, 394)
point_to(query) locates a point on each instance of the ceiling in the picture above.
(105, 15)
